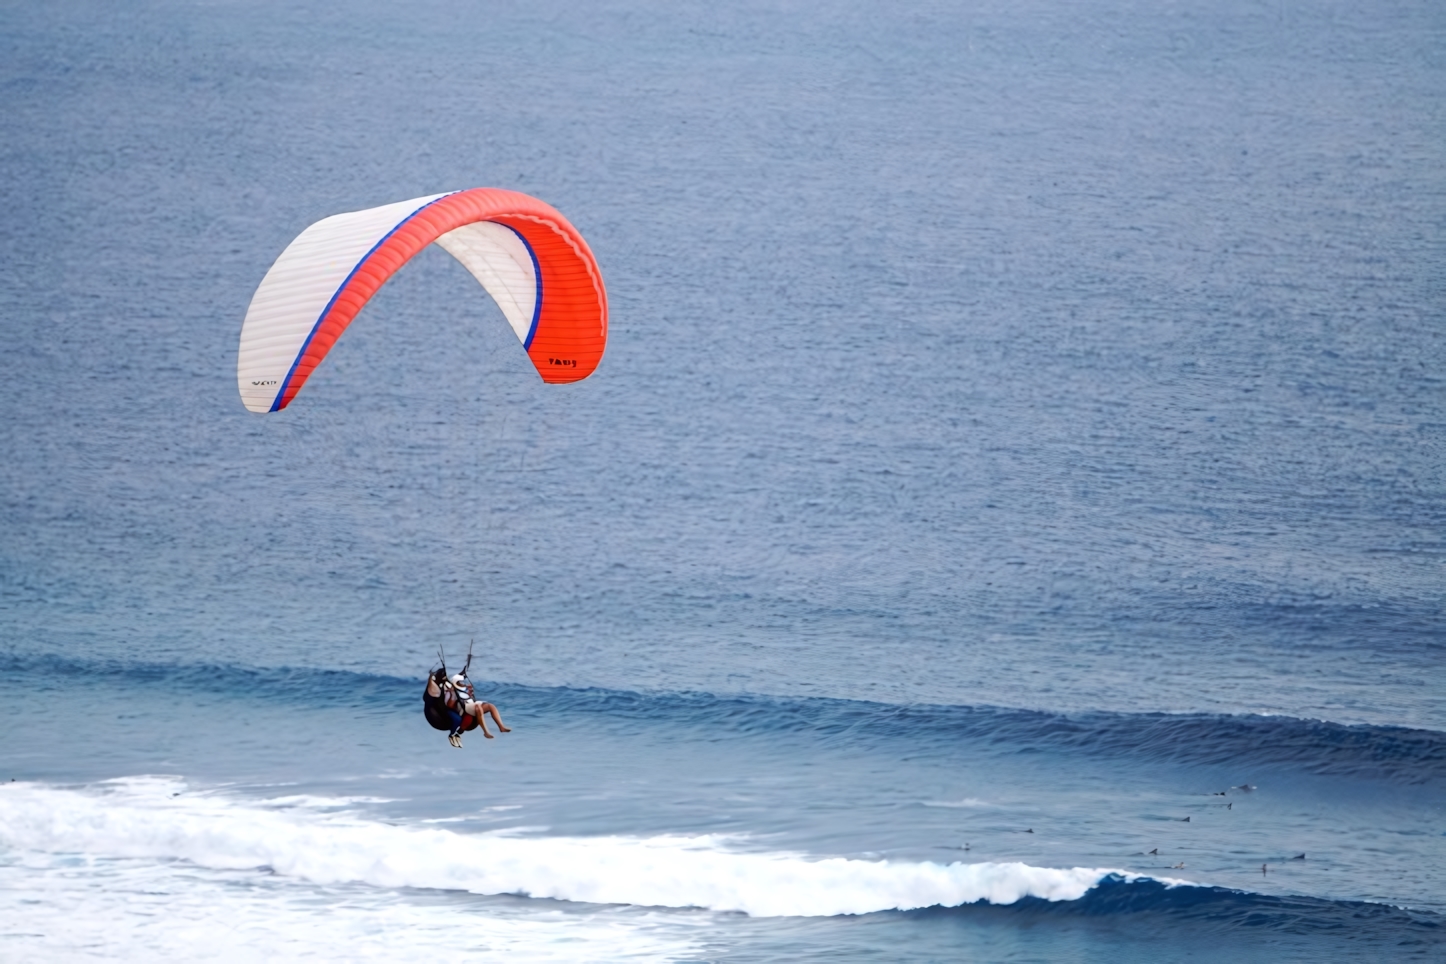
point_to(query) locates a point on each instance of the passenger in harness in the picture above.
(451, 704)
(474, 708)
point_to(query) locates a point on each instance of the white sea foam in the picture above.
(968, 803)
(321, 803)
(146, 819)
(57, 908)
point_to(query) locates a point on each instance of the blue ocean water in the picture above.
(1007, 524)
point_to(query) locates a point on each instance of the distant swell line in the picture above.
(1397, 754)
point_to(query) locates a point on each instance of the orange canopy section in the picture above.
(528, 257)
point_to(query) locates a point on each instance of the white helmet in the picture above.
(459, 681)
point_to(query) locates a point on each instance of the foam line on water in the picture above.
(56, 907)
(160, 819)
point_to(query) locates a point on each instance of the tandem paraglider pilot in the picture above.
(451, 704)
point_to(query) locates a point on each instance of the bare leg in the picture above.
(489, 708)
(478, 711)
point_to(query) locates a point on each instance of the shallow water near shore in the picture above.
(789, 813)
(1006, 524)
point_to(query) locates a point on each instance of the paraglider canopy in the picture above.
(533, 263)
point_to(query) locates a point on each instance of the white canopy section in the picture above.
(300, 285)
(500, 261)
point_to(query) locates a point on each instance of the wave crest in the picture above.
(160, 819)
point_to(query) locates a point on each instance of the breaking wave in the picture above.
(162, 822)
(160, 819)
